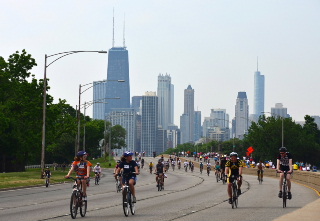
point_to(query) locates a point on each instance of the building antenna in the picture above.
(113, 30)
(257, 63)
(124, 28)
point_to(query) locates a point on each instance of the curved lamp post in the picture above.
(61, 55)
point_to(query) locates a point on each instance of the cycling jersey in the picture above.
(97, 169)
(234, 167)
(81, 167)
(223, 164)
(47, 173)
(284, 161)
(128, 167)
(159, 168)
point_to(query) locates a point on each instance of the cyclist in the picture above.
(186, 165)
(260, 167)
(179, 163)
(115, 170)
(97, 170)
(159, 172)
(201, 167)
(142, 163)
(192, 166)
(208, 167)
(173, 164)
(128, 165)
(82, 167)
(150, 167)
(284, 163)
(47, 173)
(233, 167)
(217, 169)
(223, 166)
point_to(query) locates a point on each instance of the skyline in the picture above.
(209, 45)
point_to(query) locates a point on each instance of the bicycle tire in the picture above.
(47, 182)
(217, 177)
(74, 204)
(125, 203)
(83, 208)
(284, 196)
(159, 185)
(234, 196)
(132, 204)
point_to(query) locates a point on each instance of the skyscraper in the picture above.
(242, 115)
(197, 125)
(99, 95)
(279, 111)
(118, 69)
(187, 134)
(149, 123)
(258, 106)
(165, 101)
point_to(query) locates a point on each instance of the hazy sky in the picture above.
(211, 45)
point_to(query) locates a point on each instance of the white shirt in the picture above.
(97, 169)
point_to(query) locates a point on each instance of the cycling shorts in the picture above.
(127, 178)
(231, 178)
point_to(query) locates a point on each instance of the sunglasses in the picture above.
(282, 153)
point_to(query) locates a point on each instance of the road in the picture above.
(187, 196)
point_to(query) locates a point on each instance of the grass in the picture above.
(32, 176)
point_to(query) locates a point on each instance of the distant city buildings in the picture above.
(197, 126)
(279, 111)
(258, 101)
(241, 115)
(149, 123)
(165, 101)
(187, 119)
(216, 127)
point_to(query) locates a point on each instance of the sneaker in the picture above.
(230, 200)
(289, 195)
(134, 200)
(239, 192)
(280, 194)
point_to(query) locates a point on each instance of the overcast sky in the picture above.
(211, 45)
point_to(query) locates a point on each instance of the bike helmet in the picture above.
(98, 163)
(233, 154)
(118, 161)
(81, 153)
(159, 161)
(127, 153)
(283, 149)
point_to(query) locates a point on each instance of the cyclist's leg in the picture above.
(281, 181)
(84, 187)
(132, 182)
(229, 189)
(261, 174)
(289, 182)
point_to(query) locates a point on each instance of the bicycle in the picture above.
(208, 170)
(223, 178)
(260, 176)
(186, 168)
(179, 166)
(201, 169)
(127, 197)
(217, 173)
(160, 182)
(118, 184)
(47, 181)
(97, 179)
(173, 166)
(234, 191)
(284, 188)
(77, 200)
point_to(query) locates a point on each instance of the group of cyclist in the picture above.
(231, 169)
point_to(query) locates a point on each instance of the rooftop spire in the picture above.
(113, 30)
(124, 26)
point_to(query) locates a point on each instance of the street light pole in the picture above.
(79, 113)
(61, 55)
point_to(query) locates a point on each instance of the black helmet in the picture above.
(283, 149)
(159, 161)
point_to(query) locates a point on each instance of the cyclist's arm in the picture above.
(88, 172)
(226, 170)
(278, 165)
(240, 171)
(136, 170)
(290, 165)
(70, 171)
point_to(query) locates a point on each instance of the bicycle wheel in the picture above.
(132, 204)
(159, 185)
(284, 196)
(74, 204)
(125, 203)
(234, 196)
(83, 208)
(47, 182)
(217, 177)
(224, 179)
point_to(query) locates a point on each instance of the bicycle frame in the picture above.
(76, 200)
(127, 198)
(234, 191)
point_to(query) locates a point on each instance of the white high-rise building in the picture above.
(241, 115)
(165, 101)
(218, 121)
(279, 111)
